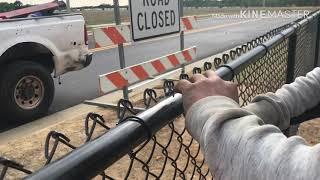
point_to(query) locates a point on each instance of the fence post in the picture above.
(292, 130)
(317, 50)
(291, 58)
(117, 18)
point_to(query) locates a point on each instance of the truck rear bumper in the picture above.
(72, 60)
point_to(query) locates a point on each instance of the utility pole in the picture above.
(68, 6)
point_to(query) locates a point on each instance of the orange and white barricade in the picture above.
(125, 77)
(112, 35)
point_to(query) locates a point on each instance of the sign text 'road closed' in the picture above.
(152, 18)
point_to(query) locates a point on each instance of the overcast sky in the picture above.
(74, 3)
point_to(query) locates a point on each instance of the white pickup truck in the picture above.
(32, 50)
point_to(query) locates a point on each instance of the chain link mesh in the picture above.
(265, 75)
(305, 48)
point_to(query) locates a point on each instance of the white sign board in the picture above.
(153, 18)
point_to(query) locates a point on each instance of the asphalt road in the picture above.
(219, 35)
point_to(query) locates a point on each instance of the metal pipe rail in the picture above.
(94, 157)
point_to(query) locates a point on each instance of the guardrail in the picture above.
(155, 140)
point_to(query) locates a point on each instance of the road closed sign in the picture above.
(153, 18)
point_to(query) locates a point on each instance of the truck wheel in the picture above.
(26, 91)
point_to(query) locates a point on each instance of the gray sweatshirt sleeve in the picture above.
(246, 144)
(288, 102)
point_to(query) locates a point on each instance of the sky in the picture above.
(74, 3)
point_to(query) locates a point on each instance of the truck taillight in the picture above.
(86, 38)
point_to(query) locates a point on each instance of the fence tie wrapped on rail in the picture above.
(232, 73)
(132, 154)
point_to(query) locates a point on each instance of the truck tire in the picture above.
(26, 91)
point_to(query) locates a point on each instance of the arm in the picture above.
(288, 102)
(238, 145)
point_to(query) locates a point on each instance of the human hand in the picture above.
(202, 86)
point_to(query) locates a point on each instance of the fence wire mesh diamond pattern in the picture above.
(305, 49)
(170, 154)
(265, 75)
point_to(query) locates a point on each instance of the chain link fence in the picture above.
(265, 75)
(305, 48)
(155, 144)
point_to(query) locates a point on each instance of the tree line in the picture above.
(5, 7)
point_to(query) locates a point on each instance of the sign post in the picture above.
(117, 18)
(154, 18)
(182, 35)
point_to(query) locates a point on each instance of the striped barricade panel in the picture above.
(189, 23)
(112, 35)
(125, 77)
